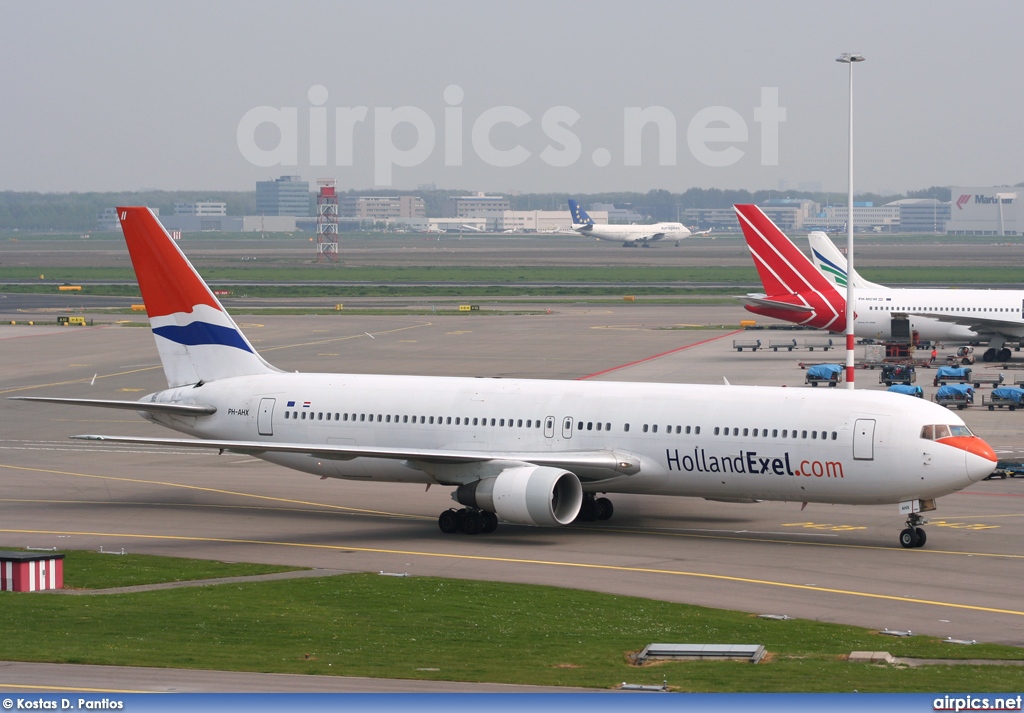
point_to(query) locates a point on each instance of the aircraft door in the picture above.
(265, 417)
(567, 427)
(864, 439)
(549, 427)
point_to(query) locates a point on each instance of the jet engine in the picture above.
(527, 495)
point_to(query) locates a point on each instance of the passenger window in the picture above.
(745, 431)
(697, 429)
(626, 428)
(654, 428)
(645, 428)
(716, 430)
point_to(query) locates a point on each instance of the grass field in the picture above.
(451, 281)
(431, 628)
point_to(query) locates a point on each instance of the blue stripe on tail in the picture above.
(198, 333)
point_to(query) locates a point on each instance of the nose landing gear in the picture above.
(914, 535)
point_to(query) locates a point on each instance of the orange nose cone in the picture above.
(981, 459)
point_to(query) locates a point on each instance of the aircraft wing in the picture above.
(1010, 330)
(588, 465)
(152, 407)
(764, 301)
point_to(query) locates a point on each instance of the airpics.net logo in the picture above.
(716, 136)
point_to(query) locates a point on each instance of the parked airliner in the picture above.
(532, 452)
(993, 316)
(630, 235)
(798, 292)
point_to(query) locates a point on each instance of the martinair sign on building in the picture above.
(982, 210)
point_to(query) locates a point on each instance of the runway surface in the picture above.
(830, 563)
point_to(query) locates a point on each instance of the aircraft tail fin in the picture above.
(579, 216)
(832, 263)
(782, 267)
(196, 338)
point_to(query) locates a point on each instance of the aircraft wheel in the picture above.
(588, 510)
(448, 521)
(989, 355)
(908, 538)
(1005, 355)
(490, 522)
(604, 508)
(921, 536)
(473, 522)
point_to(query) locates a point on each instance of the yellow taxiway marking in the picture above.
(205, 489)
(461, 331)
(824, 526)
(735, 537)
(535, 562)
(962, 525)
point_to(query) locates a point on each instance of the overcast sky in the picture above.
(194, 95)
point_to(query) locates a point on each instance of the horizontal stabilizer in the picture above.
(151, 407)
(760, 301)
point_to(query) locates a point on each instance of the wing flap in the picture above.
(616, 462)
(1010, 330)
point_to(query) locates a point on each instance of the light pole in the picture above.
(850, 59)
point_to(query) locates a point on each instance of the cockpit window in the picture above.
(941, 430)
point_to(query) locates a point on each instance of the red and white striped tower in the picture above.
(327, 221)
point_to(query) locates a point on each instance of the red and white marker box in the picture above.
(31, 571)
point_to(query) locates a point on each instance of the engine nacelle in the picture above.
(527, 495)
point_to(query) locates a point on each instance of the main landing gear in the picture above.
(594, 508)
(468, 520)
(914, 535)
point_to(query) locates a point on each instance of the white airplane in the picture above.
(532, 452)
(630, 235)
(800, 292)
(992, 316)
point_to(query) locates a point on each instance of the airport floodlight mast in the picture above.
(850, 59)
(327, 221)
